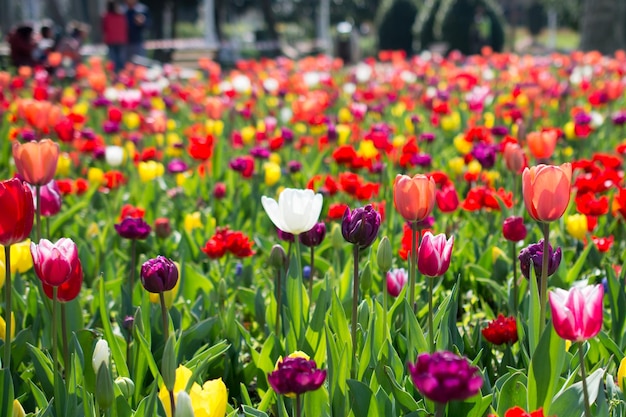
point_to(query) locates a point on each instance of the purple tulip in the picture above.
(131, 228)
(260, 152)
(315, 236)
(360, 226)
(110, 127)
(159, 274)
(296, 375)
(485, 154)
(294, 166)
(176, 166)
(619, 118)
(285, 236)
(444, 376)
(500, 130)
(533, 254)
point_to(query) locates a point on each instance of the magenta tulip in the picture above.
(53, 261)
(433, 258)
(577, 313)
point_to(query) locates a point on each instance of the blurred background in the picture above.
(350, 29)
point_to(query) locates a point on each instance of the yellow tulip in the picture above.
(464, 147)
(18, 410)
(343, 133)
(81, 108)
(474, 167)
(344, 115)
(247, 134)
(272, 173)
(621, 374)
(150, 170)
(451, 122)
(64, 165)
(576, 226)
(95, 176)
(567, 151)
(181, 178)
(569, 130)
(131, 120)
(172, 138)
(3, 327)
(398, 141)
(170, 295)
(398, 109)
(300, 128)
(21, 259)
(489, 119)
(260, 125)
(408, 124)
(171, 124)
(272, 102)
(192, 221)
(367, 149)
(208, 400)
(456, 165)
(275, 158)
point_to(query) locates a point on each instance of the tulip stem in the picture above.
(38, 211)
(431, 326)
(133, 266)
(515, 289)
(66, 352)
(440, 409)
(166, 326)
(298, 405)
(355, 303)
(583, 375)
(311, 274)
(55, 296)
(543, 294)
(413, 265)
(8, 315)
(300, 283)
(279, 303)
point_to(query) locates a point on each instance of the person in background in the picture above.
(69, 47)
(115, 31)
(45, 44)
(22, 46)
(138, 19)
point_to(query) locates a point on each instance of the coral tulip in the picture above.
(546, 190)
(542, 144)
(414, 198)
(36, 162)
(433, 258)
(577, 313)
(17, 211)
(514, 158)
(53, 261)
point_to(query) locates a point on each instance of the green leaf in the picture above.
(251, 412)
(6, 392)
(545, 369)
(570, 402)
(534, 316)
(513, 392)
(362, 400)
(116, 351)
(316, 403)
(574, 272)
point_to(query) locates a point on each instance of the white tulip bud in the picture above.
(101, 355)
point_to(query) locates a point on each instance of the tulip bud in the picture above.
(366, 278)
(513, 229)
(159, 274)
(105, 395)
(168, 371)
(219, 191)
(222, 290)
(183, 405)
(278, 257)
(18, 410)
(162, 227)
(101, 355)
(126, 386)
(336, 238)
(621, 374)
(384, 255)
(360, 226)
(315, 236)
(396, 280)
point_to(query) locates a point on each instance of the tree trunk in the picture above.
(603, 26)
(270, 19)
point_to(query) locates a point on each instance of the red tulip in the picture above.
(16, 211)
(70, 288)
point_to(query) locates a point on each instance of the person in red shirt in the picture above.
(115, 31)
(22, 46)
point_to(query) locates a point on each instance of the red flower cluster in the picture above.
(355, 186)
(226, 240)
(485, 197)
(69, 186)
(501, 330)
(519, 412)
(128, 210)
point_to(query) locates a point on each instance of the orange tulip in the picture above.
(414, 198)
(36, 162)
(546, 190)
(542, 144)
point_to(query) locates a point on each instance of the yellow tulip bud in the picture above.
(343, 133)
(576, 226)
(95, 176)
(3, 327)
(456, 165)
(18, 410)
(464, 147)
(131, 120)
(64, 165)
(272, 173)
(150, 170)
(248, 134)
(489, 119)
(474, 167)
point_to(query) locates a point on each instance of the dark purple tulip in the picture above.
(533, 253)
(377, 167)
(514, 229)
(444, 376)
(286, 134)
(582, 118)
(360, 226)
(619, 118)
(295, 375)
(315, 236)
(99, 153)
(285, 236)
(415, 119)
(88, 134)
(28, 135)
(131, 228)
(260, 152)
(427, 137)
(176, 166)
(500, 130)
(485, 154)
(294, 166)
(100, 101)
(427, 223)
(159, 275)
(422, 159)
(331, 134)
(110, 127)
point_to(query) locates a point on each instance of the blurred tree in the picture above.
(396, 30)
(602, 26)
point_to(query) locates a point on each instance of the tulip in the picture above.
(315, 236)
(150, 170)
(396, 280)
(433, 258)
(576, 225)
(447, 199)
(208, 400)
(53, 261)
(296, 375)
(513, 229)
(542, 144)
(360, 227)
(159, 275)
(514, 158)
(414, 198)
(70, 289)
(533, 254)
(546, 190)
(101, 355)
(17, 211)
(3, 328)
(501, 330)
(444, 376)
(577, 313)
(621, 374)
(219, 191)
(131, 228)
(36, 162)
(162, 227)
(114, 155)
(296, 211)
(49, 198)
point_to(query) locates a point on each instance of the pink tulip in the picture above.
(577, 313)
(433, 258)
(396, 280)
(53, 261)
(50, 198)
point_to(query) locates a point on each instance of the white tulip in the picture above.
(101, 354)
(114, 155)
(241, 84)
(363, 73)
(297, 211)
(271, 84)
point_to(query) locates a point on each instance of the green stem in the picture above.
(385, 296)
(172, 404)
(431, 326)
(311, 274)
(166, 326)
(279, 303)
(8, 313)
(38, 211)
(581, 355)
(440, 409)
(66, 352)
(543, 294)
(413, 265)
(355, 303)
(515, 288)
(48, 228)
(298, 406)
(55, 292)
(300, 274)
